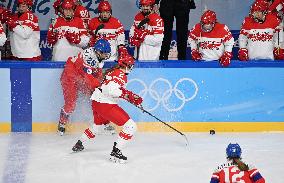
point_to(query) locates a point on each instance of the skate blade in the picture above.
(117, 160)
(61, 133)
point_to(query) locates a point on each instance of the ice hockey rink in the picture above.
(153, 157)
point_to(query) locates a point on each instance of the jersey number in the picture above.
(236, 177)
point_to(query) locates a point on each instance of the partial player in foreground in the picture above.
(82, 73)
(105, 107)
(235, 170)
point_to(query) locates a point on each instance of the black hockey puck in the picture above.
(212, 132)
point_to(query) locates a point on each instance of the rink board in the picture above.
(248, 97)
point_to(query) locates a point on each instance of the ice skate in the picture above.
(63, 120)
(78, 146)
(61, 128)
(116, 155)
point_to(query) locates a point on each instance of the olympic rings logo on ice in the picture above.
(171, 91)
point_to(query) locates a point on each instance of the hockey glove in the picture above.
(4, 15)
(225, 59)
(278, 54)
(195, 55)
(12, 23)
(140, 34)
(134, 42)
(243, 54)
(122, 50)
(72, 37)
(52, 38)
(131, 97)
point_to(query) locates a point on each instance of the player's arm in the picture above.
(228, 40)
(255, 176)
(155, 38)
(120, 35)
(3, 37)
(215, 177)
(243, 40)
(26, 29)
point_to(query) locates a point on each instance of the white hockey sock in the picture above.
(90, 132)
(129, 128)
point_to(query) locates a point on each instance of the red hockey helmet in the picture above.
(147, 2)
(208, 20)
(127, 61)
(209, 17)
(104, 6)
(68, 4)
(259, 5)
(27, 2)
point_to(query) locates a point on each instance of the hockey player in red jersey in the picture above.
(210, 40)
(105, 107)
(24, 33)
(147, 32)
(67, 33)
(80, 11)
(260, 34)
(108, 27)
(82, 73)
(235, 170)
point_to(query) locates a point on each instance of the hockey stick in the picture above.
(144, 111)
(101, 26)
(140, 25)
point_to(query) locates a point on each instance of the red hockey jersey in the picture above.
(25, 37)
(229, 173)
(211, 45)
(151, 47)
(112, 31)
(63, 49)
(261, 38)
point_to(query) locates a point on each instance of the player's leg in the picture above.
(69, 88)
(91, 132)
(119, 117)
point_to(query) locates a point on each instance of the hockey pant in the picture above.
(111, 112)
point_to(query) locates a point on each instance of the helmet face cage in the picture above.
(208, 21)
(102, 49)
(126, 61)
(234, 151)
(24, 5)
(105, 11)
(146, 6)
(259, 10)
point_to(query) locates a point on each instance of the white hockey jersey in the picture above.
(260, 39)
(112, 31)
(211, 45)
(25, 37)
(110, 91)
(151, 47)
(63, 49)
(3, 37)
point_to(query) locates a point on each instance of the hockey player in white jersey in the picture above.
(67, 33)
(24, 33)
(108, 27)
(260, 33)
(105, 107)
(210, 40)
(147, 32)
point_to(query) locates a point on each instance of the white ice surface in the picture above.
(153, 158)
